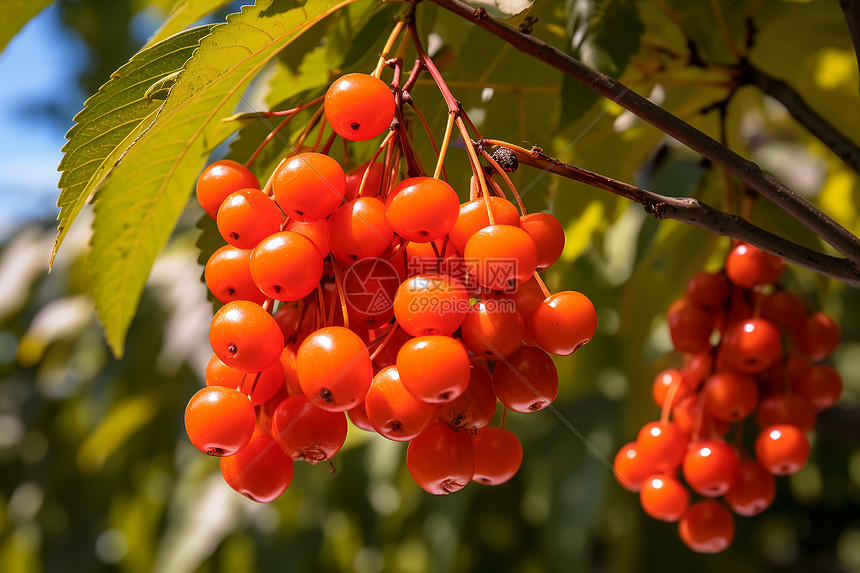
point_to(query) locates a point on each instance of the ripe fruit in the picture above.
(305, 432)
(492, 330)
(500, 256)
(422, 209)
(662, 445)
(707, 527)
(309, 186)
(286, 266)
(475, 407)
(498, 455)
(430, 304)
(710, 467)
(261, 471)
(730, 396)
(690, 328)
(359, 106)
(630, 469)
(782, 449)
(748, 266)
(664, 498)
(708, 290)
(820, 385)
(218, 180)
(473, 217)
(245, 337)
(228, 276)
(434, 369)
(819, 336)
(665, 381)
(359, 230)
(548, 235)
(441, 460)
(219, 421)
(334, 368)
(246, 217)
(258, 386)
(526, 381)
(564, 322)
(392, 410)
(752, 345)
(753, 490)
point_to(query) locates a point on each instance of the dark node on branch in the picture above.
(752, 32)
(695, 58)
(528, 24)
(506, 159)
(479, 14)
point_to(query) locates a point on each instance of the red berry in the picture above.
(373, 185)
(820, 385)
(422, 209)
(228, 276)
(316, 231)
(665, 381)
(441, 460)
(309, 186)
(786, 409)
(548, 235)
(782, 449)
(393, 411)
(662, 445)
(730, 396)
(286, 266)
(258, 386)
(245, 337)
(475, 407)
(334, 368)
(526, 381)
(246, 217)
(564, 322)
(498, 455)
(261, 471)
(753, 490)
(785, 310)
(359, 106)
(219, 421)
(708, 290)
(819, 336)
(431, 304)
(359, 230)
(434, 368)
(752, 345)
(707, 527)
(492, 329)
(710, 467)
(690, 328)
(473, 217)
(220, 179)
(664, 498)
(305, 432)
(748, 266)
(630, 470)
(500, 256)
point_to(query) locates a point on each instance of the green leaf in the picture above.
(14, 14)
(185, 13)
(604, 34)
(112, 119)
(140, 201)
(123, 420)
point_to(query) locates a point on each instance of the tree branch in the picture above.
(747, 171)
(694, 212)
(844, 148)
(852, 17)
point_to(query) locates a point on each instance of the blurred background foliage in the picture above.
(96, 473)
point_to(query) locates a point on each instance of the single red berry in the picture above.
(422, 209)
(690, 328)
(434, 368)
(784, 310)
(475, 407)
(662, 445)
(664, 383)
(821, 385)
(228, 276)
(309, 186)
(748, 266)
(359, 230)
(431, 304)
(710, 467)
(564, 322)
(259, 386)
(220, 179)
(492, 329)
(441, 460)
(316, 231)
(373, 184)
(753, 491)
(786, 409)
(307, 433)
(500, 256)
(246, 217)
(289, 317)
(286, 266)
(782, 449)
(819, 336)
(526, 381)
(707, 527)
(219, 421)
(358, 416)
(334, 368)
(359, 106)
(498, 455)
(708, 290)
(393, 411)
(261, 471)
(473, 217)
(730, 396)
(548, 235)
(752, 345)
(245, 337)
(629, 468)
(664, 497)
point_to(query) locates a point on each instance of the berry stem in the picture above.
(408, 99)
(440, 161)
(338, 281)
(542, 285)
(476, 168)
(383, 56)
(384, 342)
(504, 417)
(669, 400)
(307, 130)
(379, 149)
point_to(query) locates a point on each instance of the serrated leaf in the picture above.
(111, 120)
(184, 14)
(14, 14)
(604, 34)
(140, 202)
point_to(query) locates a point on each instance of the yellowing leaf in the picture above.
(14, 14)
(185, 13)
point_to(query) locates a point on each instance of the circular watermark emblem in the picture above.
(369, 286)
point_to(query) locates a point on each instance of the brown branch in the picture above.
(846, 149)
(851, 9)
(747, 171)
(694, 212)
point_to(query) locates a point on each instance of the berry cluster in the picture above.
(762, 367)
(382, 301)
